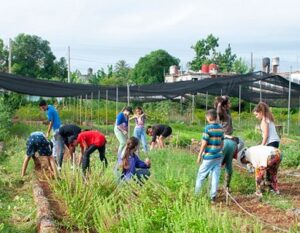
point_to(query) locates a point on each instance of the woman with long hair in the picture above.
(139, 129)
(130, 163)
(267, 126)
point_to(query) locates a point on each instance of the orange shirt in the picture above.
(92, 137)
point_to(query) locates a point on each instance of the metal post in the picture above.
(117, 100)
(221, 92)
(206, 103)
(128, 94)
(289, 103)
(92, 96)
(193, 107)
(99, 107)
(85, 112)
(9, 56)
(240, 96)
(106, 112)
(69, 65)
(260, 93)
(80, 110)
(299, 113)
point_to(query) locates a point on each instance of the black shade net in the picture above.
(270, 88)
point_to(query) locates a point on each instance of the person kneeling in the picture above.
(265, 159)
(37, 142)
(131, 165)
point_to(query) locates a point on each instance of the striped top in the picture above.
(214, 135)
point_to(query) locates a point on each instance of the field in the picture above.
(165, 203)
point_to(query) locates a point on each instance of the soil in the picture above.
(289, 186)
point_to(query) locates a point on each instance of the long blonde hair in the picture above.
(130, 145)
(263, 108)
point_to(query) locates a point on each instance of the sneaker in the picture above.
(59, 169)
(275, 192)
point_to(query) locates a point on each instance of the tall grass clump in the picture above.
(165, 203)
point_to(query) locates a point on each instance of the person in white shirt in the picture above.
(267, 126)
(266, 161)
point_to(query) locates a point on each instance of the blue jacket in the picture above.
(134, 162)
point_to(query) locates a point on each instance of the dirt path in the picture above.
(289, 188)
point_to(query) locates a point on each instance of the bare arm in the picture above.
(25, 164)
(49, 129)
(202, 148)
(265, 129)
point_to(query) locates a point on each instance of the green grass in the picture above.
(16, 202)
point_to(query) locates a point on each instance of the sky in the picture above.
(102, 32)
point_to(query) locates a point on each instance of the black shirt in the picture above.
(158, 130)
(69, 130)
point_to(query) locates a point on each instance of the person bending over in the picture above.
(158, 133)
(121, 127)
(266, 161)
(130, 163)
(89, 141)
(54, 124)
(211, 152)
(37, 142)
(65, 133)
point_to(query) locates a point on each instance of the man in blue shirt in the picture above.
(54, 124)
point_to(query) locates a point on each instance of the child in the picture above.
(211, 151)
(121, 127)
(267, 126)
(37, 142)
(158, 134)
(131, 164)
(89, 142)
(266, 161)
(139, 130)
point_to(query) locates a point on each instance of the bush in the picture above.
(5, 121)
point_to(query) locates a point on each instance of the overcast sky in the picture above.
(101, 32)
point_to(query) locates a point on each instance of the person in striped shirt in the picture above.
(211, 153)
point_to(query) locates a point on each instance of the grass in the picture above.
(16, 202)
(165, 204)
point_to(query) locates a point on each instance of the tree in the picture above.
(205, 50)
(122, 69)
(32, 56)
(3, 57)
(151, 68)
(61, 69)
(225, 60)
(240, 67)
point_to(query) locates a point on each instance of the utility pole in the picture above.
(69, 65)
(9, 55)
(251, 62)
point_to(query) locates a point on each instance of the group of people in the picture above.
(218, 145)
(70, 136)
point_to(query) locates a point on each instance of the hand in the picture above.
(125, 132)
(199, 160)
(148, 162)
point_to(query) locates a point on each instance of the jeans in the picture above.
(212, 166)
(58, 147)
(139, 133)
(88, 152)
(228, 151)
(121, 138)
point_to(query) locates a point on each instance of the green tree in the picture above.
(32, 56)
(151, 68)
(225, 60)
(3, 57)
(240, 67)
(205, 50)
(61, 69)
(122, 69)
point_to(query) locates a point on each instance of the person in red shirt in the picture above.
(89, 141)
